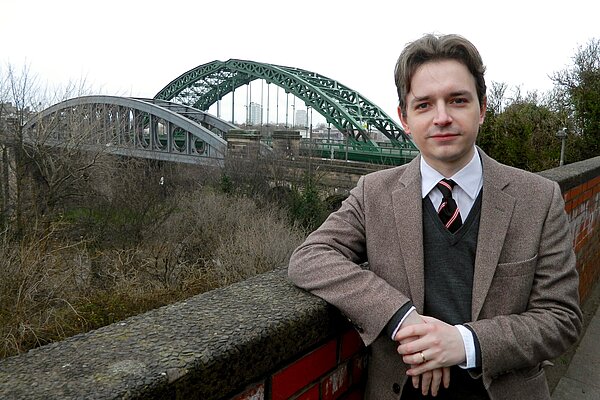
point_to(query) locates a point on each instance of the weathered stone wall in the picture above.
(258, 339)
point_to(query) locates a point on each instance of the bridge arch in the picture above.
(346, 109)
(147, 128)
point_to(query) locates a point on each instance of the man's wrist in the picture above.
(469, 346)
(395, 320)
(410, 310)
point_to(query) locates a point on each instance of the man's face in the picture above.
(443, 114)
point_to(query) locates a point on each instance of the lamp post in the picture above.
(562, 135)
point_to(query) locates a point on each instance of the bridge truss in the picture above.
(147, 128)
(346, 109)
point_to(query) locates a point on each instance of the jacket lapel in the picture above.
(496, 212)
(407, 204)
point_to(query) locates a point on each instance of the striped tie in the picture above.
(448, 211)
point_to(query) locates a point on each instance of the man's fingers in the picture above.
(426, 378)
(415, 330)
(414, 359)
(413, 347)
(415, 381)
(435, 381)
(446, 376)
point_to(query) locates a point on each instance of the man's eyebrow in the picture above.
(458, 93)
(418, 99)
(463, 93)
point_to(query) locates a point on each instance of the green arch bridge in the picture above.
(157, 132)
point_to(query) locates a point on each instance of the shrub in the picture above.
(52, 287)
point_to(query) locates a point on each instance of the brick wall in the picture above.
(580, 186)
(334, 370)
(582, 203)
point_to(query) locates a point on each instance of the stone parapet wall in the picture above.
(210, 346)
(258, 339)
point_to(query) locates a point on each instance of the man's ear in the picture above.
(403, 121)
(482, 110)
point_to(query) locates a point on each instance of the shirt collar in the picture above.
(469, 178)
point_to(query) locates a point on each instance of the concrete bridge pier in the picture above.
(242, 143)
(286, 144)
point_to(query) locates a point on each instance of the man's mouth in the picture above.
(444, 136)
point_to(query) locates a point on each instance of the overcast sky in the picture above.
(135, 48)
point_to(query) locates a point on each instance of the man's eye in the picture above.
(459, 101)
(421, 106)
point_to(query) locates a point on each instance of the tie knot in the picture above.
(445, 186)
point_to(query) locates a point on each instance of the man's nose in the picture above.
(442, 115)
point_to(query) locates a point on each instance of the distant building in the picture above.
(255, 114)
(301, 118)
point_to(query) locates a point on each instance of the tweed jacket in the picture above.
(525, 304)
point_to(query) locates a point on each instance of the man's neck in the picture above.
(449, 169)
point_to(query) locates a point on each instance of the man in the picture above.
(471, 283)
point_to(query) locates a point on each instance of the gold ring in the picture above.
(423, 357)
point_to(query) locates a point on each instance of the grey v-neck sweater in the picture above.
(449, 264)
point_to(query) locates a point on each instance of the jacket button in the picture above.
(396, 388)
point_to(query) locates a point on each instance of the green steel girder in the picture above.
(346, 109)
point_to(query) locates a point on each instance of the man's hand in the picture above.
(430, 379)
(430, 345)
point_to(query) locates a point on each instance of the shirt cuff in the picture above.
(411, 309)
(469, 343)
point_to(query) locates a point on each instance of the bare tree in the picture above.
(580, 84)
(48, 159)
(19, 87)
(496, 97)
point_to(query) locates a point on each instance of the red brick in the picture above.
(351, 344)
(590, 184)
(587, 195)
(304, 371)
(335, 384)
(594, 182)
(310, 394)
(568, 206)
(578, 201)
(567, 196)
(256, 392)
(572, 193)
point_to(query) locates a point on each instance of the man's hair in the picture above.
(438, 48)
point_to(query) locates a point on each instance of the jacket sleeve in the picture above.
(328, 264)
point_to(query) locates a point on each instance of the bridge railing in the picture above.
(383, 153)
(355, 151)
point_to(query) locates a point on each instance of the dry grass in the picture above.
(37, 278)
(52, 287)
